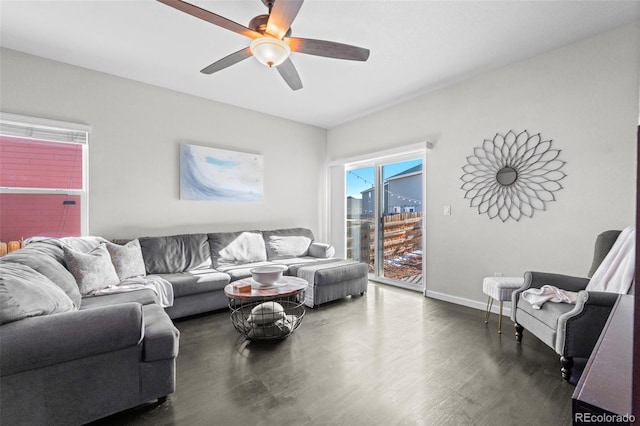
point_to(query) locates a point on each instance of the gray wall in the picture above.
(134, 150)
(583, 96)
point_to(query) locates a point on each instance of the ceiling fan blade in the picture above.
(211, 17)
(227, 61)
(329, 49)
(289, 73)
(281, 16)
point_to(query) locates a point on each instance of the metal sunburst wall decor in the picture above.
(512, 175)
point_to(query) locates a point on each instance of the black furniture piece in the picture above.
(603, 394)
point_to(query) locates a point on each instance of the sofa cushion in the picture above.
(298, 261)
(291, 242)
(238, 272)
(175, 253)
(548, 314)
(143, 296)
(27, 293)
(127, 259)
(92, 270)
(48, 246)
(233, 248)
(82, 244)
(48, 265)
(198, 281)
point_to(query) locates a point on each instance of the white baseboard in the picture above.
(506, 306)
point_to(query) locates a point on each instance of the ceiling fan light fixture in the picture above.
(270, 51)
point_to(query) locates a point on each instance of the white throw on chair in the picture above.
(499, 288)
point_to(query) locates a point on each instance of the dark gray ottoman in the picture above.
(332, 279)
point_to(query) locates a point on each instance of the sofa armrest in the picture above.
(161, 337)
(579, 329)
(321, 250)
(601, 298)
(46, 340)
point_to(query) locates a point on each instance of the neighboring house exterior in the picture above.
(402, 193)
(368, 202)
(354, 207)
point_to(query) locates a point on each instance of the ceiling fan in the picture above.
(271, 42)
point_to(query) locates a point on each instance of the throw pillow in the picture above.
(246, 247)
(27, 293)
(93, 270)
(127, 259)
(266, 313)
(283, 247)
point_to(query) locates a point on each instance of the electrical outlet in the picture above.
(497, 274)
(447, 210)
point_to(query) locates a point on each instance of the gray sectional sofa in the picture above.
(71, 351)
(66, 359)
(201, 265)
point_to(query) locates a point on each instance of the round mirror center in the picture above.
(507, 176)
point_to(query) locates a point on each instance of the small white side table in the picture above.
(499, 288)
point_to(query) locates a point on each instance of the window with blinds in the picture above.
(43, 178)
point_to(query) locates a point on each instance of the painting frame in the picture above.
(214, 174)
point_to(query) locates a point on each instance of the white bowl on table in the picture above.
(267, 274)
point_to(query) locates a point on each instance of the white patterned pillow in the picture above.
(127, 259)
(93, 270)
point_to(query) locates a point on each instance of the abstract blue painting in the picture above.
(220, 174)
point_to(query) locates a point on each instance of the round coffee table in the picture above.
(267, 312)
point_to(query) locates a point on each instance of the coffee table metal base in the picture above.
(268, 312)
(279, 326)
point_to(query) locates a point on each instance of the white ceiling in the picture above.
(416, 46)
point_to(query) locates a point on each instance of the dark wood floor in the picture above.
(391, 357)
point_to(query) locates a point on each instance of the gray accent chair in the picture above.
(571, 330)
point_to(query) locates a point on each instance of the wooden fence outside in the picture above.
(402, 234)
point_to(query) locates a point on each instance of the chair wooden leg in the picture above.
(500, 319)
(567, 363)
(519, 330)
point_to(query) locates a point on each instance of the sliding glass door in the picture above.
(361, 215)
(400, 222)
(384, 220)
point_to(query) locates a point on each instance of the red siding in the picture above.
(28, 215)
(27, 163)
